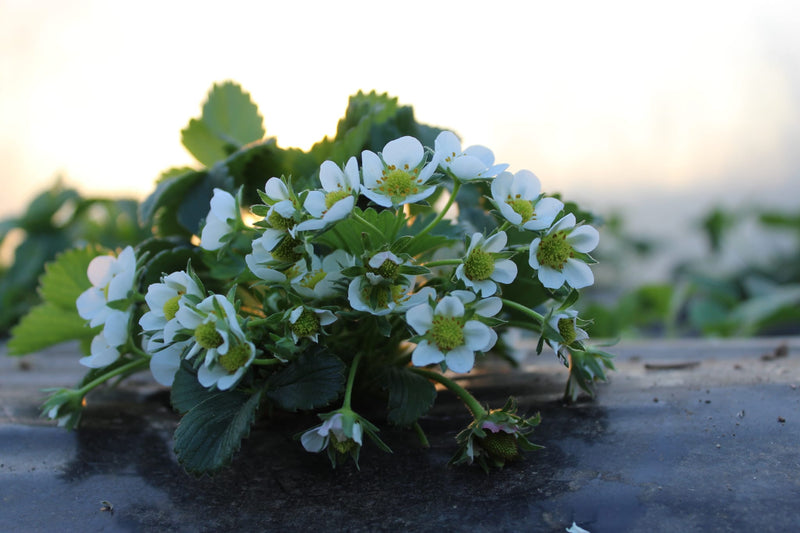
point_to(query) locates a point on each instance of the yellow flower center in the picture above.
(387, 270)
(332, 197)
(306, 325)
(287, 250)
(171, 307)
(207, 336)
(280, 222)
(522, 207)
(398, 184)
(566, 327)
(311, 279)
(554, 250)
(447, 332)
(236, 358)
(479, 265)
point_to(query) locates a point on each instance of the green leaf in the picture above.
(39, 215)
(381, 227)
(364, 111)
(410, 396)
(168, 196)
(313, 380)
(230, 120)
(187, 393)
(65, 278)
(46, 325)
(212, 431)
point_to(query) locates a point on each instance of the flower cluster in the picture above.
(348, 265)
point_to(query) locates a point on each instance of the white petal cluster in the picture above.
(399, 174)
(317, 439)
(480, 271)
(112, 279)
(518, 197)
(554, 262)
(340, 187)
(476, 162)
(220, 221)
(448, 337)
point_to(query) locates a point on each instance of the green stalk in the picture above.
(366, 222)
(351, 377)
(130, 367)
(469, 400)
(443, 262)
(266, 362)
(440, 216)
(521, 308)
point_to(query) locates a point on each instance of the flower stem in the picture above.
(128, 368)
(351, 377)
(445, 209)
(423, 439)
(519, 307)
(443, 262)
(266, 362)
(469, 400)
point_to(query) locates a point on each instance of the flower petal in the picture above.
(505, 271)
(425, 355)
(551, 278)
(476, 335)
(577, 274)
(420, 318)
(403, 151)
(460, 360)
(584, 239)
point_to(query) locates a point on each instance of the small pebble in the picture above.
(719, 446)
(781, 420)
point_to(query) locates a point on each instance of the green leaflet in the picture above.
(230, 120)
(46, 325)
(212, 431)
(56, 319)
(311, 381)
(410, 395)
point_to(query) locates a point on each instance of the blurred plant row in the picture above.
(706, 296)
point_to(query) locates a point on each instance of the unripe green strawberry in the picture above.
(501, 445)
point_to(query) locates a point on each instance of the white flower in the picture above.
(317, 439)
(517, 198)
(475, 162)
(566, 324)
(282, 209)
(447, 335)
(165, 359)
(553, 254)
(481, 271)
(103, 352)
(306, 322)
(222, 220)
(388, 298)
(399, 175)
(338, 199)
(164, 299)
(112, 278)
(321, 281)
(215, 328)
(272, 253)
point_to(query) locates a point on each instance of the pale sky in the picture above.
(610, 101)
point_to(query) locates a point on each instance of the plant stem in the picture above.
(519, 307)
(440, 216)
(469, 400)
(443, 262)
(266, 362)
(423, 439)
(130, 367)
(351, 377)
